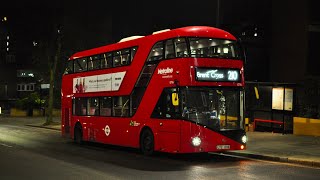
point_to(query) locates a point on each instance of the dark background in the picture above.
(103, 22)
(88, 24)
(284, 50)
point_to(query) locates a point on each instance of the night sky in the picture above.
(135, 17)
(89, 24)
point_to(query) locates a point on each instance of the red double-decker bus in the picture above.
(175, 91)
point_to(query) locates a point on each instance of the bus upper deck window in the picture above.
(181, 47)
(121, 58)
(125, 57)
(94, 62)
(106, 60)
(116, 59)
(156, 52)
(169, 49)
(80, 65)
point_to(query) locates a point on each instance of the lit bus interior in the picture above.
(217, 109)
(174, 48)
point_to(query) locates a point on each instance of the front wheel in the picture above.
(147, 142)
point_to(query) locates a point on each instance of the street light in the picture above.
(4, 19)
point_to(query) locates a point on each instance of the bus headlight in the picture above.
(196, 141)
(244, 139)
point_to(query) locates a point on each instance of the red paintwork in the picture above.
(255, 121)
(172, 136)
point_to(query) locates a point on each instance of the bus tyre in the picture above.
(147, 142)
(78, 134)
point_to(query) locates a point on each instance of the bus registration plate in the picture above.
(223, 146)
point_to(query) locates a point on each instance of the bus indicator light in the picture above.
(244, 139)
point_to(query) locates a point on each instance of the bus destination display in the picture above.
(218, 74)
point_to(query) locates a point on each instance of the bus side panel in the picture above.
(169, 142)
(115, 131)
(134, 132)
(99, 129)
(119, 131)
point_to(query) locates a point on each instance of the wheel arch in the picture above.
(144, 128)
(142, 138)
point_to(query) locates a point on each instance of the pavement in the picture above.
(287, 148)
(33, 121)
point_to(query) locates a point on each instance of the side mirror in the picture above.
(175, 99)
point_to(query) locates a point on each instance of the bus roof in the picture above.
(189, 31)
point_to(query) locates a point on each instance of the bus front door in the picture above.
(169, 135)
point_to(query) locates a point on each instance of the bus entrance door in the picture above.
(169, 135)
(166, 112)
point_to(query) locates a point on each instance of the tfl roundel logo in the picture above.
(107, 130)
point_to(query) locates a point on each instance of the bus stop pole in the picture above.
(283, 109)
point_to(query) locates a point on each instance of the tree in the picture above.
(46, 56)
(52, 73)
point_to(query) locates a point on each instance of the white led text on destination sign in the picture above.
(231, 75)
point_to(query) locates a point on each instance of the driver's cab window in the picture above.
(166, 108)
